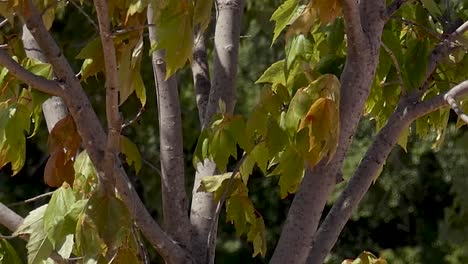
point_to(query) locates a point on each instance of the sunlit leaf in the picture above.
(93, 60)
(131, 152)
(284, 16)
(8, 253)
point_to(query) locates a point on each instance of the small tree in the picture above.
(398, 63)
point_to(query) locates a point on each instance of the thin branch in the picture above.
(9, 218)
(454, 105)
(94, 138)
(80, 9)
(112, 94)
(413, 23)
(397, 67)
(220, 204)
(4, 22)
(131, 29)
(459, 31)
(174, 196)
(136, 119)
(30, 200)
(152, 166)
(37, 82)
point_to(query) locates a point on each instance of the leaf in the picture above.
(299, 47)
(417, 57)
(257, 236)
(88, 242)
(85, 176)
(58, 170)
(403, 140)
(93, 60)
(32, 222)
(432, 7)
(124, 256)
(240, 211)
(327, 10)
(131, 152)
(8, 253)
(291, 170)
(38, 246)
(274, 74)
(202, 13)
(64, 136)
(300, 103)
(304, 22)
(112, 219)
(140, 89)
(217, 184)
(125, 74)
(60, 203)
(175, 34)
(222, 146)
(14, 122)
(284, 16)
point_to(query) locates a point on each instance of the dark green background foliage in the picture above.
(415, 213)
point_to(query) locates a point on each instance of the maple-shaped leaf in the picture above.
(93, 60)
(175, 34)
(131, 152)
(202, 13)
(14, 123)
(285, 15)
(64, 142)
(304, 22)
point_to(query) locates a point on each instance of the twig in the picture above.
(4, 21)
(30, 200)
(80, 9)
(397, 67)
(151, 165)
(221, 201)
(135, 119)
(112, 95)
(450, 98)
(130, 29)
(428, 30)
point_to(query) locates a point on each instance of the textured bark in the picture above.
(364, 24)
(54, 108)
(111, 159)
(9, 219)
(89, 128)
(226, 45)
(174, 197)
(201, 74)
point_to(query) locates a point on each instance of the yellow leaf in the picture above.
(304, 22)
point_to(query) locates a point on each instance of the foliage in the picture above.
(296, 120)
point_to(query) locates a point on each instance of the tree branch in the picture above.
(94, 138)
(37, 82)
(364, 25)
(226, 47)
(174, 197)
(9, 218)
(112, 96)
(201, 74)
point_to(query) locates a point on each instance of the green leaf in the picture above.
(299, 47)
(432, 7)
(140, 89)
(85, 176)
(261, 156)
(218, 183)
(32, 222)
(14, 122)
(125, 74)
(124, 256)
(39, 247)
(257, 236)
(131, 152)
(175, 34)
(202, 13)
(8, 253)
(222, 146)
(283, 16)
(112, 219)
(298, 107)
(291, 170)
(88, 242)
(417, 57)
(240, 211)
(274, 74)
(93, 60)
(61, 201)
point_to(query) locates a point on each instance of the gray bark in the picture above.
(174, 197)
(203, 210)
(364, 24)
(9, 219)
(54, 109)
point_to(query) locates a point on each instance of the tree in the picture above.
(334, 74)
